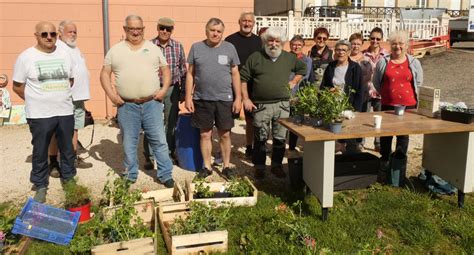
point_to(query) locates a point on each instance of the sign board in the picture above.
(470, 23)
(428, 100)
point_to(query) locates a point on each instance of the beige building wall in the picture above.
(18, 18)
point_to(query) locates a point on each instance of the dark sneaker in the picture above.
(80, 163)
(248, 151)
(259, 173)
(169, 183)
(149, 164)
(54, 169)
(203, 173)
(40, 195)
(228, 172)
(278, 171)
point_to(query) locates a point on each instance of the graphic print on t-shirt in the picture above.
(52, 75)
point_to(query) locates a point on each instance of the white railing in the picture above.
(342, 27)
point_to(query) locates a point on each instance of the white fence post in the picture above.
(394, 25)
(343, 26)
(291, 25)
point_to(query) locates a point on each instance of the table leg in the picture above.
(318, 172)
(325, 214)
(461, 199)
(451, 157)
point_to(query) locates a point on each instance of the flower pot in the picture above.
(335, 127)
(85, 211)
(315, 122)
(466, 117)
(298, 119)
(399, 109)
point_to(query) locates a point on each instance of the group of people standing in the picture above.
(379, 79)
(219, 77)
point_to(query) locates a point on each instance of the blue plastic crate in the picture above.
(47, 223)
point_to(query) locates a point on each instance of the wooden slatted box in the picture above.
(222, 201)
(428, 101)
(215, 241)
(144, 246)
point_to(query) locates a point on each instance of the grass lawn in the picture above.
(380, 219)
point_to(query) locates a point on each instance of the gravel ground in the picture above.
(451, 71)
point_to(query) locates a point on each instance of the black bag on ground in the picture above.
(355, 171)
(398, 169)
(295, 171)
(89, 120)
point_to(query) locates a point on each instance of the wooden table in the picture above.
(448, 149)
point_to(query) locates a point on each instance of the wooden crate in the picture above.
(215, 241)
(428, 101)
(143, 246)
(175, 194)
(18, 249)
(145, 210)
(223, 201)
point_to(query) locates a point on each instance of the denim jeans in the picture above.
(171, 109)
(132, 118)
(41, 131)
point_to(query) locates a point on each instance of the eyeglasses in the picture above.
(296, 45)
(322, 38)
(137, 29)
(375, 39)
(45, 34)
(168, 29)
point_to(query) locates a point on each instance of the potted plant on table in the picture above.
(457, 113)
(305, 103)
(333, 102)
(77, 199)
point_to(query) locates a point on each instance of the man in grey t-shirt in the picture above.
(213, 71)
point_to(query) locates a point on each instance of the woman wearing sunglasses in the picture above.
(396, 79)
(320, 53)
(374, 53)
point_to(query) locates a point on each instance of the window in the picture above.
(356, 3)
(421, 3)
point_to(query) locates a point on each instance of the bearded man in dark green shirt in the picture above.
(269, 70)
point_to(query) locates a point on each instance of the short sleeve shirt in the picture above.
(80, 90)
(47, 82)
(212, 70)
(136, 71)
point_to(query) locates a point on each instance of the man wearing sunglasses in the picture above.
(174, 54)
(43, 76)
(138, 95)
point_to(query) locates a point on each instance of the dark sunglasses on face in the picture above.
(169, 29)
(45, 34)
(375, 39)
(322, 38)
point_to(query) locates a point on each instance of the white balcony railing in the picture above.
(342, 27)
